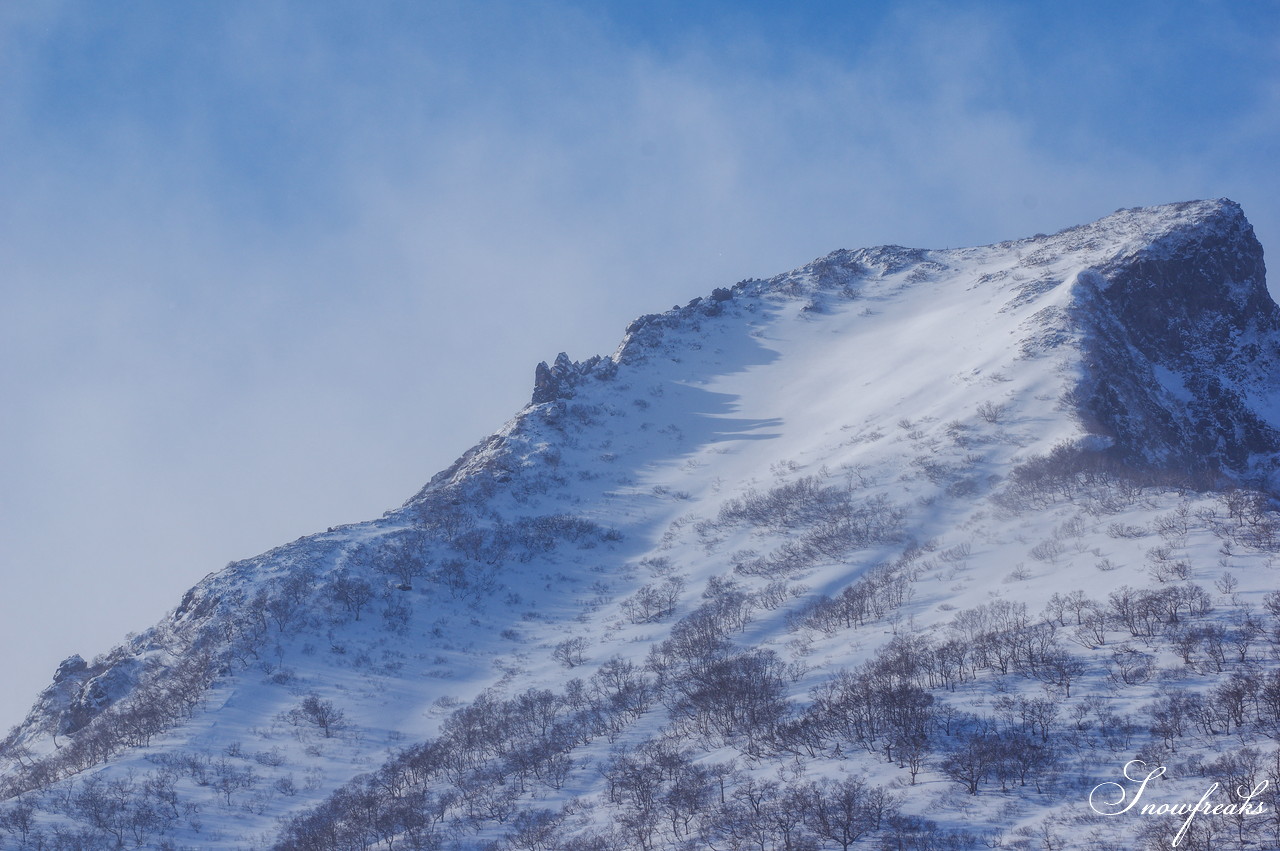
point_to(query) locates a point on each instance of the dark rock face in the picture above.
(559, 380)
(1186, 303)
(545, 387)
(1177, 337)
(69, 667)
(554, 382)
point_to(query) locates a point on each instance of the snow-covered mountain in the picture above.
(904, 548)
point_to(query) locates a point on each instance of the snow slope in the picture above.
(1006, 424)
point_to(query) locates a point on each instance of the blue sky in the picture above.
(268, 266)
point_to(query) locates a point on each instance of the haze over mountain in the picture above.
(906, 547)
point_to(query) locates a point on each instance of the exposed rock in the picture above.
(70, 666)
(1176, 337)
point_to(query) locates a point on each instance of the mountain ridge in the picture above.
(888, 391)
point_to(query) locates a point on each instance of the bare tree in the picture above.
(991, 412)
(571, 652)
(323, 713)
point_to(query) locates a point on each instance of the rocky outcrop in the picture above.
(1181, 339)
(559, 380)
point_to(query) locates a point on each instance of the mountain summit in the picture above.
(800, 565)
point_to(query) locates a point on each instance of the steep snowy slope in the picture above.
(876, 526)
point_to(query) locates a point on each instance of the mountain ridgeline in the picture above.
(800, 565)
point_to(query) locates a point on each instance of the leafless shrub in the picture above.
(1131, 667)
(655, 601)
(1018, 574)
(1122, 530)
(991, 412)
(322, 713)
(571, 652)
(1047, 550)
